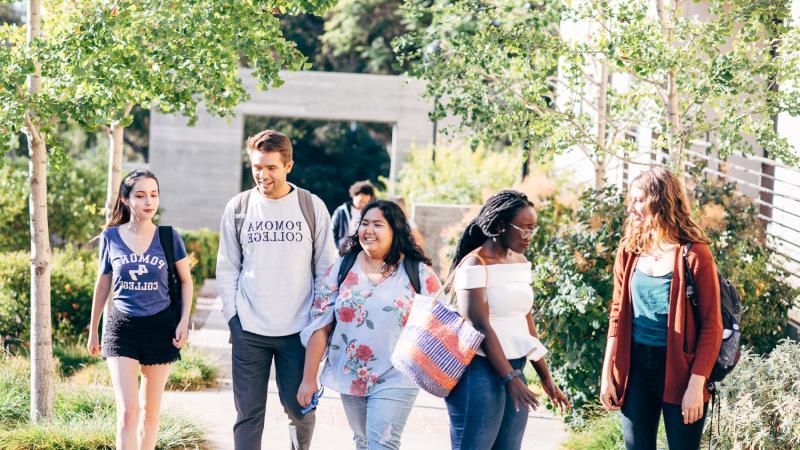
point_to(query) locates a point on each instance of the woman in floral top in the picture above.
(358, 323)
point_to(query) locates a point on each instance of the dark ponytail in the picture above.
(498, 211)
(121, 213)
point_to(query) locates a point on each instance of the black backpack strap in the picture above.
(412, 270)
(691, 292)
(173, 285)
(239, 214)
(348, 259)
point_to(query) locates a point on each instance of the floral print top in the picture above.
(369, 319)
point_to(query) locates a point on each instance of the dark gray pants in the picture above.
(252, 359)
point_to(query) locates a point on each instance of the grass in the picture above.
(604, 432)
(83, 418)
(195, 371)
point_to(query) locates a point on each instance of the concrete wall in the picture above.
(200, 167)
(432, 220)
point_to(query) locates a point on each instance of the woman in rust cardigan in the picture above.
(658, 354)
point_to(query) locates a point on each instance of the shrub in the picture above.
(72, 283)
(458, 175)
(201, 245)
(601, 433)
(573, 260)
(760, 401)
(75, 201)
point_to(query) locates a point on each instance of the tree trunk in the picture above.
(676, 145)
(115, 137)
(116, 134)
(41, 350)
(602, 107)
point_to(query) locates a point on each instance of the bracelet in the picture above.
(510, 376)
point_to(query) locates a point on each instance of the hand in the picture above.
(307, 389)
(181, 334)
(521, 395)
(692, 404)
(557, 398)
(608, 395)
(93, 345)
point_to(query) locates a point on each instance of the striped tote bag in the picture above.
(437, 344)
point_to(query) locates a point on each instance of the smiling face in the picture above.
(270, 172)
(516, 240)
(143, 199)
(375, 234)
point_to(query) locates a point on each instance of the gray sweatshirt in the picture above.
(272, 288)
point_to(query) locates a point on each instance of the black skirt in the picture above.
(147, 339)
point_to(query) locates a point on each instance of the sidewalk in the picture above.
(427, 426)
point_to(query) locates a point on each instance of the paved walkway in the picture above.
(427, 426)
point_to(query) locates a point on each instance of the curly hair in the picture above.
(498, 211)
(402, 242)
(668, 216)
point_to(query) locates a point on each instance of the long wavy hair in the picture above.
(402, 243)
(120, 212)
(492, 220)
(667, 217)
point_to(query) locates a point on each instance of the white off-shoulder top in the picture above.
(510, 298)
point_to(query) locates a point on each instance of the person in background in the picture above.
(347, 217)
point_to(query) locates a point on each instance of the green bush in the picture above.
(75, 198)
(601, 433)
(84, 417)
(573, 259)
(201, 245)
(760, 402)
(458, 175)
(72, 283)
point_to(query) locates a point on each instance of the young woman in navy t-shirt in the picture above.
(141, 334)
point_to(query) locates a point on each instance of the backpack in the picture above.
(173, 282)
(306, 207)
(411, 266)
(731, 307)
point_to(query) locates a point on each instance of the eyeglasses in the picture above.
(523, 232)
(314, 401)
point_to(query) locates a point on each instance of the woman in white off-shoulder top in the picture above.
(489, 406)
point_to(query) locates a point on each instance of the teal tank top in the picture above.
(650, 297)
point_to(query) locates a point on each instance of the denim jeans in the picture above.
(378, 419)
(252, 360)
(482, 414)
(644, 405)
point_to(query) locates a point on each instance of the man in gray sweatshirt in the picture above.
(275, 245)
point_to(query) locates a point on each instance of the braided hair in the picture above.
(498, 211)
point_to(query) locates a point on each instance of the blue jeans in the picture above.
(482, 414)
(644, 405)
(378, 419)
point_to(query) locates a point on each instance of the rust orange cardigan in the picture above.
(702, 347)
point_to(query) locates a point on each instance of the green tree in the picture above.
(552, 76)
(95, 62)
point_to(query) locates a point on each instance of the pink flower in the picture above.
(351, 349)
(345, 294)
(432, 284)
(363, 373)
(358, 387)
(364, 353)
(346, 314)
(373, 378)
(350, 280)
(404, 319)
(399, 304)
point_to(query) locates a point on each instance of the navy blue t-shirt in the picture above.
(139, 281)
